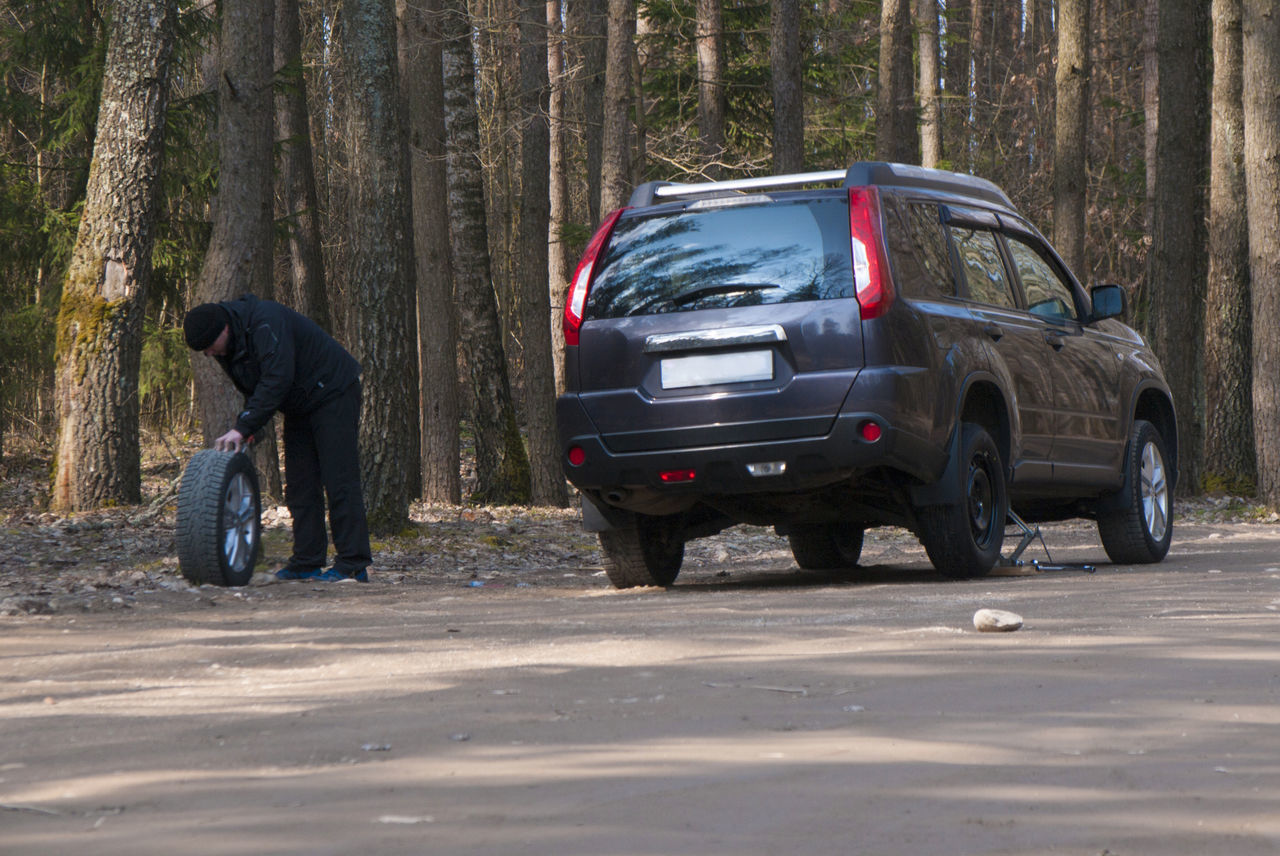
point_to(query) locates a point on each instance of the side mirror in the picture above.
(1108, 302)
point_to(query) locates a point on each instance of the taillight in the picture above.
(576, 302)
(869, 266)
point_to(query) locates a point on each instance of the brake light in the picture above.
(576, 303)
(869, 265)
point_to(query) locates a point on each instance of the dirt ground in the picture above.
(489, 693)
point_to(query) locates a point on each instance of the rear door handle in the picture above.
(994, 331)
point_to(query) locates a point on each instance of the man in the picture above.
(284, 361)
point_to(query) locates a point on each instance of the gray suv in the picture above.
(826, 352)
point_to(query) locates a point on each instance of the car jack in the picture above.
(1030, 534)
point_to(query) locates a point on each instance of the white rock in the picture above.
(996, 621)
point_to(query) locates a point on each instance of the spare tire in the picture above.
(219, 519)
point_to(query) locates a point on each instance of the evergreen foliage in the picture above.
(998, 122)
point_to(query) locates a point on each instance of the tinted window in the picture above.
(736, 255)
(983, 270)
(918, 248)
(1047, 294)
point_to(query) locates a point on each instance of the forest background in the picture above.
(420, 175)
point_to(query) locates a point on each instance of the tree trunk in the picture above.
(1150, 101)
(981, 108)
(615, 158)
(957, 136)
(1176, 267)
(896, 134)
(1228, 443)
(437, 332)
(788, 104)
(99, 342)
(502, 467)
(559, 265)
(381, 272)
(640, 128)
(930, 102)
(238, 259)
(587, 22)
(1070, 178)
(298, 202)
(1039, 101)
(546, 478)
(709, 32)
(1261, 27)
(498, 102)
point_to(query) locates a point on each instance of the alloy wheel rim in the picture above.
(239, 518)
(1154, 489)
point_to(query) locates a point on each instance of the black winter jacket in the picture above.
(281, 360)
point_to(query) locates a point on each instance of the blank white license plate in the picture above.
(712, 369)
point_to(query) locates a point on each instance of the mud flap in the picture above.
(597, 518)
(945, 490)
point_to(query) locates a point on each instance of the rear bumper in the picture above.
(810, 462)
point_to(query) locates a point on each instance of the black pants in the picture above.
(321, 453)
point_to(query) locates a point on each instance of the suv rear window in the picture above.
(721, 253)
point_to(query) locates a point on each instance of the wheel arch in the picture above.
(1155, 406)
(984, 404)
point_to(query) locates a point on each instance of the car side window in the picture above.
(983, 269)
(918, 248)
(1047, 294)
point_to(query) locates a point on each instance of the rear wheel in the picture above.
(964, 540)
(1141, 533)
(219, 514)
(826, 546)
(646, 551)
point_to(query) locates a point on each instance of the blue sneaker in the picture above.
(298, 573)
(333, 575)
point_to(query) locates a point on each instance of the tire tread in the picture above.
(1124, 533)
(199, 531)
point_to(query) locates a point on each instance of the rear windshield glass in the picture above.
(743, 255)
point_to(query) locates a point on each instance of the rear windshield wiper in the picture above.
(700, 291)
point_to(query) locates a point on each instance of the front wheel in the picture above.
(1141, 533)
(964, 540)
(219, 519)
(646, 551)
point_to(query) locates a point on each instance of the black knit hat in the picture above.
(204, 324)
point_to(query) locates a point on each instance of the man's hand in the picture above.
(232, 441)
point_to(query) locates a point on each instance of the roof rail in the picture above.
(652, 191)
(859, 174)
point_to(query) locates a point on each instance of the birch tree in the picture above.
(502, 466)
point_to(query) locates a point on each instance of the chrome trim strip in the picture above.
(717, 338)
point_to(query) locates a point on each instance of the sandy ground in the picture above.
(750, 709)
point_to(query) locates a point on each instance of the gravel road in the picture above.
(493, 702)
